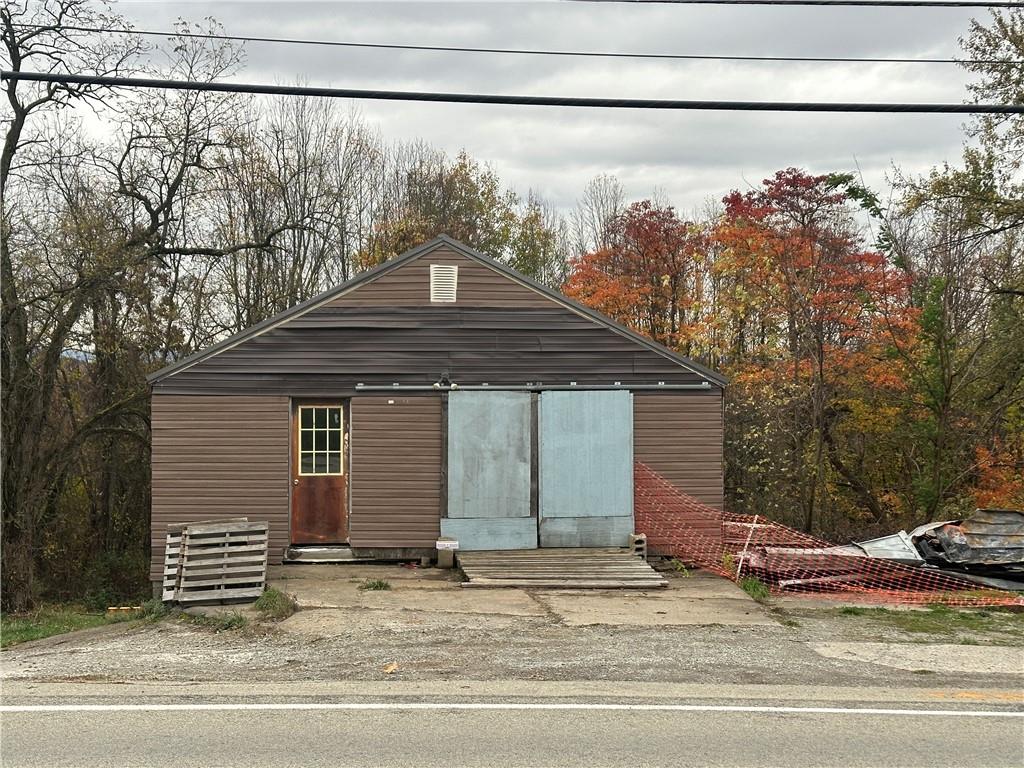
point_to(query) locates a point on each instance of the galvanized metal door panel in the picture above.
(586, 531)
(488, 454)
(586, 454)
(491, 532)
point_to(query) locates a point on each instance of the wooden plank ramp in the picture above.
(558, 568)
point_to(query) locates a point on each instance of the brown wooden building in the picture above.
(440, 394)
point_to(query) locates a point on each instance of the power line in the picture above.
(537, 101)
(862, 3)
(536, 52)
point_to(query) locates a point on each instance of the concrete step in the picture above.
(321, 554)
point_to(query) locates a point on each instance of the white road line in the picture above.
(440, 706)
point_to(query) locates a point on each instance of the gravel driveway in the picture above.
(425, 628)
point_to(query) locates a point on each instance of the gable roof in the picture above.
(442, 240)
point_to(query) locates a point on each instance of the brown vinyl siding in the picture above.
(679, 436)
(409, 286)
(219, 457)
(395, 475)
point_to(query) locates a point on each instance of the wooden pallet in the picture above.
(559, 569)
(216, 561)
(172, 562)
(222, 561)
(172, 554)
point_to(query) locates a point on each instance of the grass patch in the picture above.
(852, 610)
(942, 620)
(50, 620)
(375, 584)
(218, 622)
(275, 604)
(756, 588)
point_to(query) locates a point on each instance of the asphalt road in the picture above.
(266, 730)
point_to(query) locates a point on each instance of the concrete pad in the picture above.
(702, 585)
(648, 609)
(941, 658)
(697, 599)
(342, 593)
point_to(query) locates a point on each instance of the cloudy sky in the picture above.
(688, 157)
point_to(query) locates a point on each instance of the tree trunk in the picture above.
(17, 570)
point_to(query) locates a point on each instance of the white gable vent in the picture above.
(444, 279)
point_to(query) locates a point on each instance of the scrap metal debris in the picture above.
(988, 543)
(978, 561)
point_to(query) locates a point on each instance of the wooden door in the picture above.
(319, 476)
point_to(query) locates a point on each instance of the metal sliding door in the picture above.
(489, 471)
(585, 468)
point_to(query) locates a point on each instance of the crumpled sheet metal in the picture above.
(988, 537)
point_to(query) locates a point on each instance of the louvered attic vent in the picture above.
(444, 279)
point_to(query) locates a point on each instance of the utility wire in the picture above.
(862, 3)
(535, 52)
(545, 101)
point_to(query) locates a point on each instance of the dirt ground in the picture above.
(426, 627)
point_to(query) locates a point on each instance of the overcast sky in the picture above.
(689, 157)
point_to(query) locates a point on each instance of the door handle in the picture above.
(295, 481)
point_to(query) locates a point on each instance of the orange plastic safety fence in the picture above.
(785, 560)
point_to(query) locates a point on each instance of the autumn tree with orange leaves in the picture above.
(652, 277)
(781, 294)
(814, 321)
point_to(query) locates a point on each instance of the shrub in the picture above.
(679, 567)
(275, 604)
(375, 584)
(154, 609)
(756, 588)
(115, 579)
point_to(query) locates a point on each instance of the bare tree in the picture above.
(39, 315)
(88, 242)
(603, 201)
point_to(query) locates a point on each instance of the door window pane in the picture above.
(320, 440)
